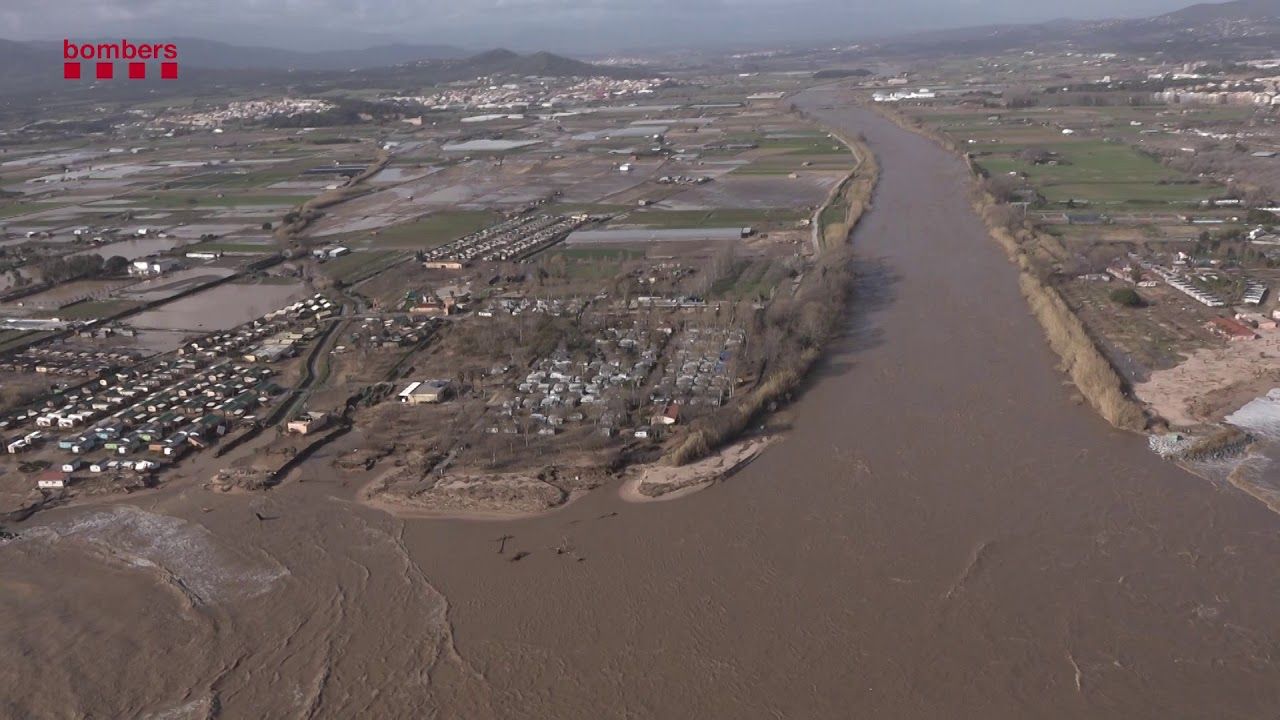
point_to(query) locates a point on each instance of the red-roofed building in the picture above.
(1232, 329)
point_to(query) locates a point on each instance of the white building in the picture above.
(424, 392)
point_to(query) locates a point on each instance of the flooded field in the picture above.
(67, 293)
(483, 185)
(401, 174)
(134, 249)
(176, 282)
(220, 308)
(945, 532)
(196, 230)
(754, 192)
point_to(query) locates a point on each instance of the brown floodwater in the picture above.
(945, 532)
(220, 308)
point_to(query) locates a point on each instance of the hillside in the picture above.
(1222, 30)
(37, 68)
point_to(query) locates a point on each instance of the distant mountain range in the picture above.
(1209, 31)
(201, 53)
(36, 67)
(1221, 30)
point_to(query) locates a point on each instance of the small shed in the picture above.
(307, 423)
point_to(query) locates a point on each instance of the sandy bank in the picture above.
(650, 483)
(507, 496)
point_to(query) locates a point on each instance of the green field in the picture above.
(591, 263)
(235, 180)
(354, 266)
(231, 247)
(597, 254)
(836, 212)
(211, 199)
(1098, 171)
(750, 280)
(10, 209)
(435, 229)
(786, 164)
(732, 217)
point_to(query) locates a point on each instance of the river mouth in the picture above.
(944, 532)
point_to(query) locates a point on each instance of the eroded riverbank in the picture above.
(942, 533)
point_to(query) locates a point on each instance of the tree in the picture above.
(1035, 155)
(115, 265)
(266, 226)
(1128, 297)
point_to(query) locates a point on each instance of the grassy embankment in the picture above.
(1093, 375)
(804, 322)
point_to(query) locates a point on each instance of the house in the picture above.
(270, 352)
(1231, 329)
(443, 264)
(53, 480)
(426, 391)
(307, 423)
(670, 415)
(433, 308)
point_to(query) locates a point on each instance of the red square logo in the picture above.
(71, 70)
(168, 71)
(106, 70)
(137, 71)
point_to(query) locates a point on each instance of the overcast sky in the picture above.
(558, 25)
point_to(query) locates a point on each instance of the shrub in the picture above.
(1127, 297)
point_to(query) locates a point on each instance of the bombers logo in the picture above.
(103, 56)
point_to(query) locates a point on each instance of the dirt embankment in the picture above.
(1082, 361)
(308, 212)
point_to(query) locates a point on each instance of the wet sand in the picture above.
(944, 533)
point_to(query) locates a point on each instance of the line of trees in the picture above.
(77, 267)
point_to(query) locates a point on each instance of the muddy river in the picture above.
(944, 533)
